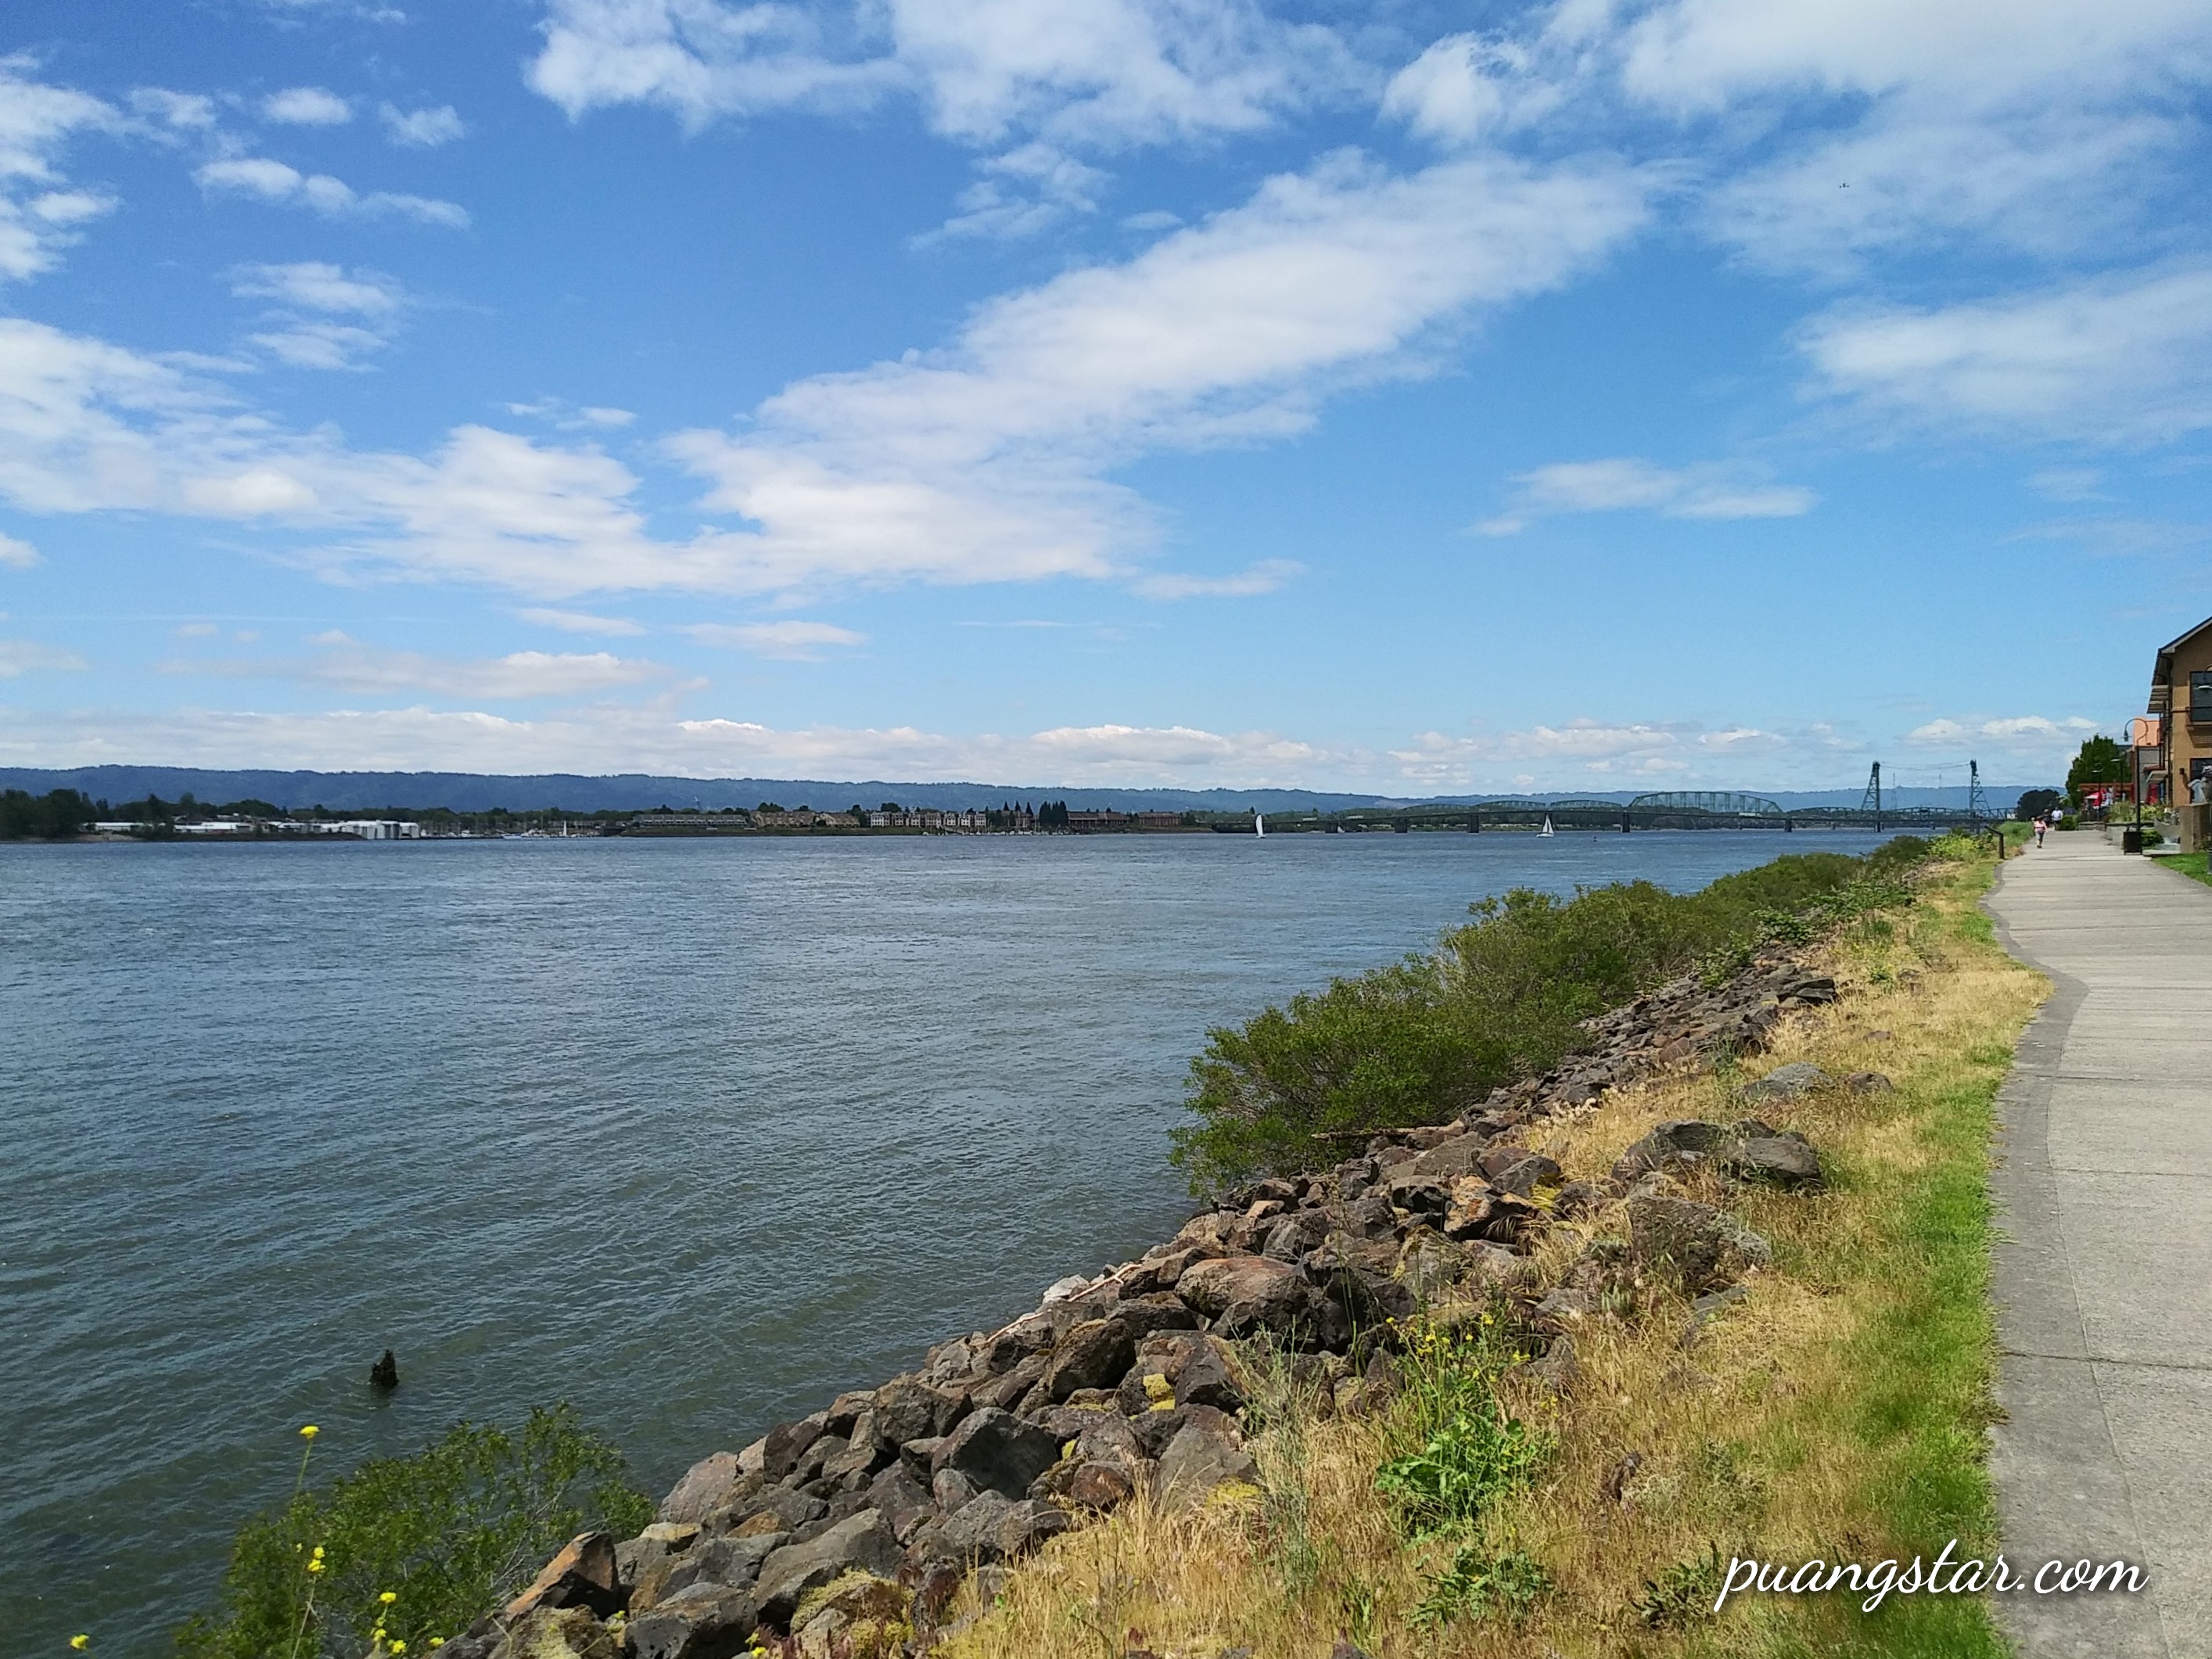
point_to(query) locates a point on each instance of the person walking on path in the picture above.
(2042, 824)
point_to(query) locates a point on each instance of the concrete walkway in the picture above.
(2103, 1285)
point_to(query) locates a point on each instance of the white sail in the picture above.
(1259, 824)
(1547, 829)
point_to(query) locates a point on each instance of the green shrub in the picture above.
(1684, 1593)
(450, 1533)
(1482, 1585)
(1453, 1448)
(1502, 998)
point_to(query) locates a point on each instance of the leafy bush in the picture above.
(450, 1533)
(1501, 999)
(1481, 1585)
(1455, 1450)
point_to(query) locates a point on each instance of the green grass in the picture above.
(2190, 864)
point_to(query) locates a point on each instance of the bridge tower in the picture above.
(1871, 801)
(1977, 805)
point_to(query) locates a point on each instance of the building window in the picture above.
(2200, 696)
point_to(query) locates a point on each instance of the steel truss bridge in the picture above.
(1672, 809)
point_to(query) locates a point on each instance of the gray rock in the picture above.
(1092, 1355)
(583, 1573)
(732, 1563)
(1582, 1198)
(550, 1633)
(1370, 1217)
(1868, 1083)
(1161, 1311)
(1480, 1211)
(997, 1451)
(786, 1443)
(907, 1408)
(1524, 1174)
(707, 1621)
(1787, 1082)
(863, 1541)
(1700, 1245)
(1421, 1194)
(950, 1490)
(649, 1555)
(1448, 1160)
(1786, 1160)
(1291, 1237)
(711, 1484)
(1679, 1142)
(1249, 1293)
(1205, 1453)
(993, 1528)
(774, 1510)
(1007, 1390)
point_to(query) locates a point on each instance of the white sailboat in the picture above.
(1547, 829)
(1259, 824)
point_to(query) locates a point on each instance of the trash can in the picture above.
(2131, 839)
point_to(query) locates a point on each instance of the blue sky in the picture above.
(1406, 396)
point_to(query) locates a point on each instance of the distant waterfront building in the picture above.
(364, 828)
(2172, 745)
(1107, 819)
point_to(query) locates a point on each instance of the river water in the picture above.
(691, 1134)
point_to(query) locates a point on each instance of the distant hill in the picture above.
(476, 791)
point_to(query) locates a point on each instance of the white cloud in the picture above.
(2068, 483)
(187, 111)
(198, 630)
(557, 414)
(1702, 54)
(1263, 577)
(2111, 360)
(614, 739)
(793, 642)
(580, 622)
(307, 106)
(38, 214)
(267, 181)
(1112, 72)
(21, 657)
(422, 129)
(1624, 483)
(317, 342)
(352, 665)
(312, 285)
(983, 461)
(321, 345)
(2043, 182)
(1023, 192)
(2015, 734)
(1467, 86)
(1639, 754)
(17, 555)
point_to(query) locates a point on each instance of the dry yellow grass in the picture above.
(1838, 1410)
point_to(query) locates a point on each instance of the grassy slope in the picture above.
(1839, 1411)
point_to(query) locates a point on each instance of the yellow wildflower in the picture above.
(388, 1597)
(308, 1432)
(399, 1647)
(316, 1564)
(80, 1642)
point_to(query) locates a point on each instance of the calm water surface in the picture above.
(691, 1134)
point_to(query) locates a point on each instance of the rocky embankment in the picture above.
(849, 1532)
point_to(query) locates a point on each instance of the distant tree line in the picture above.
(55, 816)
